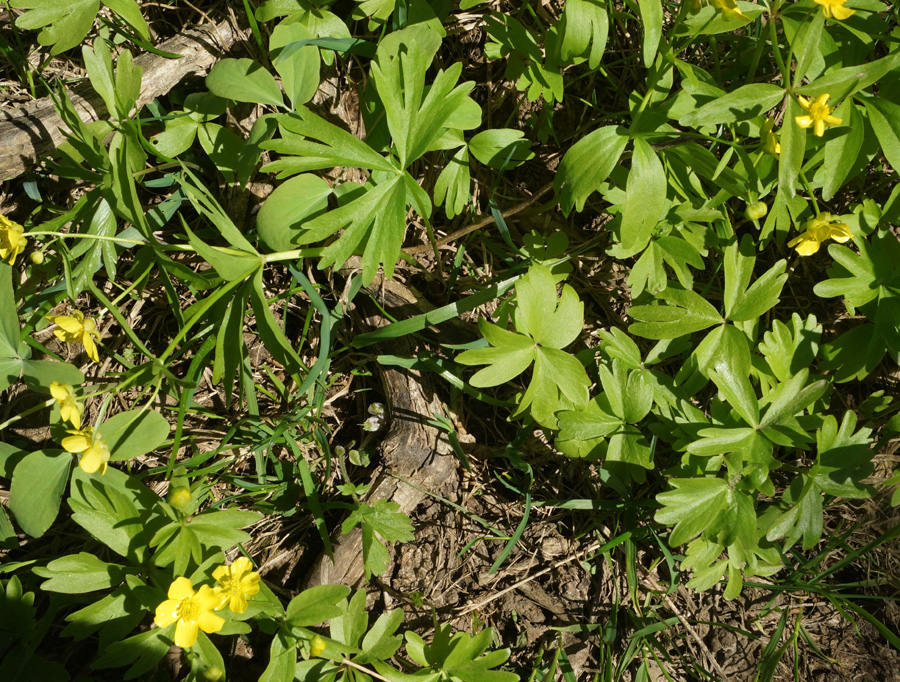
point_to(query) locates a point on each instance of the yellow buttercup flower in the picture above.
(236, 582)
(821, 228)
(94, 452)
(12, 239)
(76, 328)
(730, 9)
(69, 408)
(191, 611)
(316, 646)
(818, 113)
(834, 9)
(771, 145)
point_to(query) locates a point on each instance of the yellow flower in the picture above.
(730, 9)
(77, 328)
(771, 145)
(69, 407)
(94, 453)
(192, 611)
(818, 230)
(12, 239)
(236, 582)
(834, 9)
(818, 113)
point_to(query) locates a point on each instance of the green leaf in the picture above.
(335, 146)
(416, 118)
(131, 13)
(585, 28)
(788, 349)
(63, 23)
(842, 150)
(651, 12)
(99, 67)
(144, 651)
(109, 513)
(790, 398)
(501, 148)
(270, 331)
(748, 101)
(587, 164)
(734, 385)
(112, 615)
(807, 46)
(749, 303)
(885, 119)
(315, 605)
(645, 197)
(504, 363)
(452, 187)
(382, 517)
(538, 314)
(79, 573)
(803, 518)
(243, 80)
(222, 529)
(231, 265)
(299, 69)
(842, 83)
(374, 223)
(134, 433)
(9, 318)
(686, 313)
(37, 486)
(793, 147)
(844, 457)
(693, 506)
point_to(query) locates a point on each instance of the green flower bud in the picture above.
(316, 646)
(180, 497)
(213, 673)
(756, 211)
(37, 257)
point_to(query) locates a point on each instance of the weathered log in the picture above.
(33, 132)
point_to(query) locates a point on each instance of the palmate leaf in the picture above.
(692, 507)
(546, 324)
(381, 517)
(416, 114)
(585, 28)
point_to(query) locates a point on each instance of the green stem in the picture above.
(773, 37)
(97, 237)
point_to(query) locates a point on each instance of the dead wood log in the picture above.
(33, 132)
(413, 450)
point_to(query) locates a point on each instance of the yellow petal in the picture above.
(206, 598)
(833, 120)
(67, 323)
(60, 391)
(78, 443)
(238, 603)
(167, 612)
(823, 99)
(94, 459)
(840, 232)
(240, 566)
(804, 121)
(186, 634)
(221, 573)
(90, 347)
(210, 622)
(820, 127)
(840, 12)
(804, 103)
(804, 245)
(181, 588)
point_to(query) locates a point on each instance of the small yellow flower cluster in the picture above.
(12, 239)
(193, 611)
(834, 9)
(821, 228)
(76, 328)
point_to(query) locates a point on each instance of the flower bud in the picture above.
(316, 646)
(756, 210)
(37, 257)
(213, 673)
(180, 498)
